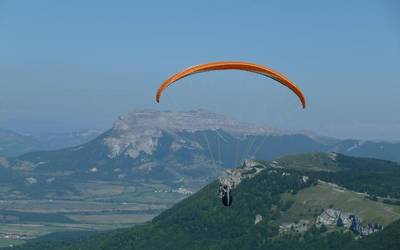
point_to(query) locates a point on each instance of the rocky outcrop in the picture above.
(258, 219)
(233, 177)
(333, 218)
(337, 218)
(300, 227)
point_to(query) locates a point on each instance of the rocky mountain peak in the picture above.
(139, 130)
(195, 120)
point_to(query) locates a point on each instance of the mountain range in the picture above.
(181, 149)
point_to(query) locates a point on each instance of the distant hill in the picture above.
(290, 204)
(53, 141)
(372, 149)
(14, 144)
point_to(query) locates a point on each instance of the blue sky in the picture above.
(69, 65)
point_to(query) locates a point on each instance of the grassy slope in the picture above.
(309, 202)
(310, 162)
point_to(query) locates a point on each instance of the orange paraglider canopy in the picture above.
(233, 65)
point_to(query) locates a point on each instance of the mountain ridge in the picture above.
(13, 144)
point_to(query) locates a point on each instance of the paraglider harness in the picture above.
(225, 193)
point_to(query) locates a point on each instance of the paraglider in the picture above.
(233, 65)
(226, 187)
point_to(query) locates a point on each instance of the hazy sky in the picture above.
(69, 65)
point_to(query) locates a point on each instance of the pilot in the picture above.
(226, 195)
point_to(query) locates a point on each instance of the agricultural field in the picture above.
(102, 206)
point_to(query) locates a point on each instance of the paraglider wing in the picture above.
(233, 65)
